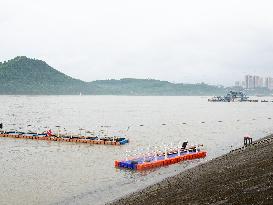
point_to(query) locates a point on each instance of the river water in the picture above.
(49, 173)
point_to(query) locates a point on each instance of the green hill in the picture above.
(26, 76)
(22, 75)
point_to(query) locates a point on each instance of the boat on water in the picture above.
(161, 158)
(232, 96)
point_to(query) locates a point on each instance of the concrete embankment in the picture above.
(243, 176)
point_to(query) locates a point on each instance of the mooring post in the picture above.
(247, 140)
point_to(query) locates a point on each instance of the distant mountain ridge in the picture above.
(25, 76)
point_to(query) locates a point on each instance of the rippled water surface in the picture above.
(39, 172)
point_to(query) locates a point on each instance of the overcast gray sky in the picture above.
(211, 41)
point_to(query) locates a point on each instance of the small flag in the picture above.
(49, 133)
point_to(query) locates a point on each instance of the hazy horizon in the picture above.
(214, 42)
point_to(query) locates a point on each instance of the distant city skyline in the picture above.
(179, 41)
(255, 81)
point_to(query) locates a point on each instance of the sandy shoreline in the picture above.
(243, 176)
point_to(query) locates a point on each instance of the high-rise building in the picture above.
(237, 83)
(256, 81)
(253, 82)
(267, 80)
(269, 83)
(249, 79)
(261, 83)
(243, 84)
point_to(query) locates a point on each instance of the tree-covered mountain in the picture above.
(22, 75)
(26, 76)
(129, 86)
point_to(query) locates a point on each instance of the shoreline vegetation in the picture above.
(243, 176)
(25, 76)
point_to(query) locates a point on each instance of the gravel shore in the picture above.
(243, 176)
